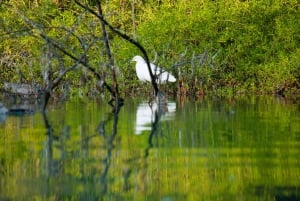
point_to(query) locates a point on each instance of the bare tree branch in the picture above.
(81, 60)
(126, 37)
(108, 51)
(56, 45)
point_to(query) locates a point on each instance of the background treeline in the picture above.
(224, 46)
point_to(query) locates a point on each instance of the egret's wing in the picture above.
(156, 70)
(161, 75)
(165, 76)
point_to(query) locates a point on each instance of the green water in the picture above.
(210, 149)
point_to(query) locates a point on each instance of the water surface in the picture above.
(212, 149)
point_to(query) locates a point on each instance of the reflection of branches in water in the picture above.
(52, 166)
(49, 162)
(154, 128)
(110, 140)
(49, 142)
(159, 108)
(100, 180)
(107, 130)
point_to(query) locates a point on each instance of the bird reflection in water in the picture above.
(146, 114)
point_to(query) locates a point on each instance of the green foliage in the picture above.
(255, 39)
(211, 44)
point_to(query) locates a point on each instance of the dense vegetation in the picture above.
(224, 46)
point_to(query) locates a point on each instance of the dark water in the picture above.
(210, 149)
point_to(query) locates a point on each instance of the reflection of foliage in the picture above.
(215, 149)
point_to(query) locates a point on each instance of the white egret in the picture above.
(143, 75)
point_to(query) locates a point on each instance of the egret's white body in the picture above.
(143, 75)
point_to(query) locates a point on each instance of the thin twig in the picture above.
(108, 51)
(80, 60)
(129, 39)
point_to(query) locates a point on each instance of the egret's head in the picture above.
(137, 58)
